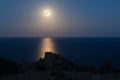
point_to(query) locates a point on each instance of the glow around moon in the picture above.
(47, 20)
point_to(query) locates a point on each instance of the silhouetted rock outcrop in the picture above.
(55, 62)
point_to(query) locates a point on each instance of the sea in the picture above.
(88, 51)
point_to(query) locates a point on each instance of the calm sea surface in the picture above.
(91, 51)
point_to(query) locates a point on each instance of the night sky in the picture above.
(70, 18)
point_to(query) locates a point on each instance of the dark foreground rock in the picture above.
(46, 75)
(57, 67)
(7, 67)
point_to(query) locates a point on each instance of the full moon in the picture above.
(47, 12)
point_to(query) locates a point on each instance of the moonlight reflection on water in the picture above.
(47, 45)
